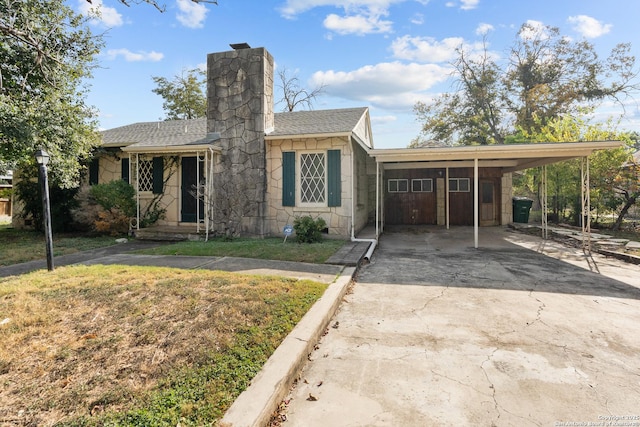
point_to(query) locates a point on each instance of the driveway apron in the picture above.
(520, 331)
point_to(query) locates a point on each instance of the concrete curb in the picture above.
(255, 406)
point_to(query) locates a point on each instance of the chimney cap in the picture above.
(238, 46)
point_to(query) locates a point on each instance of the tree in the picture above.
(184, 96)
(294, 95)
(47, 50)
(547, 76)
(613, 177)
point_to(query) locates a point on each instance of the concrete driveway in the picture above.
(518, 332)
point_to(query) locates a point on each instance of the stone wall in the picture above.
(338, 218)
(240, 109)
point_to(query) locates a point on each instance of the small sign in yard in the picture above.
(288, 230)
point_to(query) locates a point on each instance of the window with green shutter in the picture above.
(125, 170)
(94, 170)
(288, 178)
(158, 175)
(334, 178)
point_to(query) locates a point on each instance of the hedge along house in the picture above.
(254, 170)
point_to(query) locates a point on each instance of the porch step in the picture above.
(169, 234)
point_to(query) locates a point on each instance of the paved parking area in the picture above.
(520, 331)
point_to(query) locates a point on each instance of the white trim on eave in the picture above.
(308, 135)
(177, 149)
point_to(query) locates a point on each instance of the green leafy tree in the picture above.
(184, 96)
(47, 51)
(546, 77)
(611, 185)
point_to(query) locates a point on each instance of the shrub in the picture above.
(61, 202)
(309, 230)
(107, 208)
(116, 194)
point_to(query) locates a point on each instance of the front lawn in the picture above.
(270, 248)
(117, 345)
(18, 246)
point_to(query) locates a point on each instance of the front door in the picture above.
(189, 204)
(487, 203)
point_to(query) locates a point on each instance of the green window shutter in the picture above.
(288, 178)
(158, 172)
(125, 170)
(94, 169)
(334, 177)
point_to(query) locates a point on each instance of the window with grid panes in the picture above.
(458, 185)
(422, 185)
(398, 185)
(312, 177)
(145, 175)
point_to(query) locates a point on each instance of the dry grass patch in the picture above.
(115, 345)
(28, 245)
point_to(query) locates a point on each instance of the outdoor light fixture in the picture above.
(42, 157)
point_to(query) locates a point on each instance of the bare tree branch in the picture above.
(294, 95)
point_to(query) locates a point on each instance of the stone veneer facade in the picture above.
(338, 218)
(111, 169)
(240, 109)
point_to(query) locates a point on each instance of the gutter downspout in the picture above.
(373, 242)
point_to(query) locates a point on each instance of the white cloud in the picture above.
(359, 17)
(417, 19)
(469, 4)
(380, 120)
(357, 24)
(484, 29)
(533, 29)
(428, 49)
(387, 85)
(134, 56)
(589, 27)
(464, 4)
(191, 14)
(99, 13)
(292, 8)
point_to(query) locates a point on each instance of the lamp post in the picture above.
(42, 157)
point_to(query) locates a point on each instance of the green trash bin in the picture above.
(521, 207)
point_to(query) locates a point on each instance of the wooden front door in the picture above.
(487, 206)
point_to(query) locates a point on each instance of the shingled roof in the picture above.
(157, 134)
(184, 133)
(317, 122)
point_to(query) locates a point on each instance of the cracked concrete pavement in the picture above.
(520, 331)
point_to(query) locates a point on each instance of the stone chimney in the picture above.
(240, 109)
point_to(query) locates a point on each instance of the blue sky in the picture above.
(383, 54)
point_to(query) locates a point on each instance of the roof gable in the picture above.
(317, 122)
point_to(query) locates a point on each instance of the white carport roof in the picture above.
(510, 157)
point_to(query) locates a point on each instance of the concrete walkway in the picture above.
(520, 331)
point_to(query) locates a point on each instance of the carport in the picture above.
(437, 179)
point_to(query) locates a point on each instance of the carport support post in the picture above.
(543, 181)
(446, 192)
(476, 204)
(585, 214)
(377, 199)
